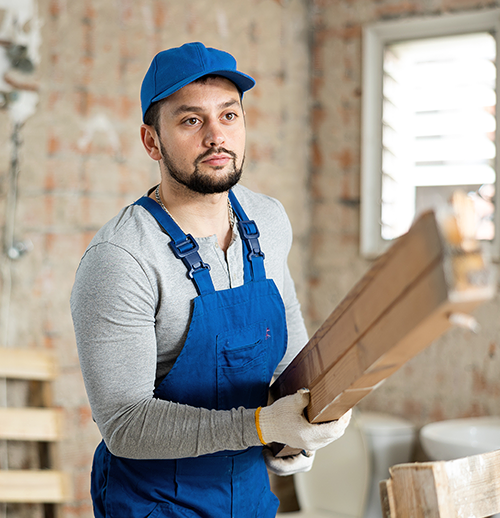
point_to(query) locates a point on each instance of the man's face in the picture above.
(202, 138)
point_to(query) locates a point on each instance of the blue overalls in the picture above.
(235, 341)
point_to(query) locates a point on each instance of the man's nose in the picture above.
(214, 135)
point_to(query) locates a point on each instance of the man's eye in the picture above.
(192, 121)
(230, 116)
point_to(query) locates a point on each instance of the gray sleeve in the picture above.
(113, 308)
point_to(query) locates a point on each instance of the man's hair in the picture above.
(152, 115)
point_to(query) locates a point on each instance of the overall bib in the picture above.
(235, 341)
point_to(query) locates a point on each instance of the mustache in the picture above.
(211, 152)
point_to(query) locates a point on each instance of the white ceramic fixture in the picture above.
(390, 441)
(338, 483)
(455, 438)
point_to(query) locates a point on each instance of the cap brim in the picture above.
(242, 81)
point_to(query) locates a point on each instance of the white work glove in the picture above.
(284, 422)
(284, 466)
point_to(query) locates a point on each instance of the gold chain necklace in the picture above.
(160, 203)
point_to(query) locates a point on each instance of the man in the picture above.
(180, 336)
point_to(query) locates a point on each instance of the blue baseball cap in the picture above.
(175, 68)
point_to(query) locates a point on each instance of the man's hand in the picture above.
(284, 422)
(284, 466)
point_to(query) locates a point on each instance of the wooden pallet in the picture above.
(34, 486)
(41, 424)
(469, 486)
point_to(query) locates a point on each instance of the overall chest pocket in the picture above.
(242, 367)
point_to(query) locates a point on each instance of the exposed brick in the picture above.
(398, 9)
(53, 144)
(317, 117)
(81, 100)
(348, 32)
(345, 158)
(53, 100)
(90, 12)
(317, 155)
(55, 8)
(260, 152)
(126, 107)
(159, 14)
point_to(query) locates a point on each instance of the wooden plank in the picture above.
(399, 307)
(28, 364)
(373, 316)
(474, 484)
(387, 499)
(31, 424)
(420, 317)
(386, 281)
(35, 486)
(414, 492)
(463, 487)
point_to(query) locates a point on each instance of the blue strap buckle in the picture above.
(187, 250)
(250, 233)
(180, 249)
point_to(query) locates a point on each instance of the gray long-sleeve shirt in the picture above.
(131, 305)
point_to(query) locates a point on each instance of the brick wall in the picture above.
(458, 375)
(81, 158)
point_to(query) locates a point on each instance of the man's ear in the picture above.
(150, 141)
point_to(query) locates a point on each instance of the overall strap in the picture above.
(253, 257)
(183, 246)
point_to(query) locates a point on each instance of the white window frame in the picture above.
(375, 37)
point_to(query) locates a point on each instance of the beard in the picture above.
(204, 183)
